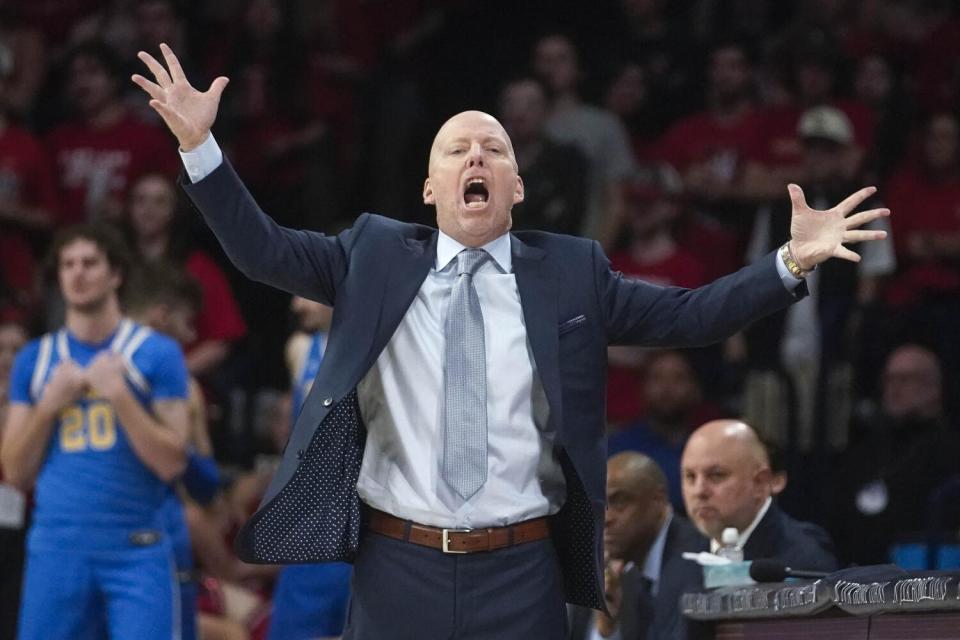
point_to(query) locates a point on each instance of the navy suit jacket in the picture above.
(658, 617)
(573, 307)
(677, 576)
(799, 545)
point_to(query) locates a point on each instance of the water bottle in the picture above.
(729, 547)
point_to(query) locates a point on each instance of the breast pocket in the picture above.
(573, 323)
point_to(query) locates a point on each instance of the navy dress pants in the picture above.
(405, 591)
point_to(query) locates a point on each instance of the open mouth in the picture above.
(476, 195)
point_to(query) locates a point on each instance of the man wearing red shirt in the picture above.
(927, 232)
(651, 207)
(99, 154)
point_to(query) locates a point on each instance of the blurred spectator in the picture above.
(710, 148)
(277, 137)
(159, 232)
(100, 153)
(27, 199)
(673, 399)
(55, 19)
(656, 34)
(922, 302)
(554, 174)
(880, 86)
(595, 131)
(628, 97)
(652, 203)
(727, 483)
(12, 502)
(937, 36)
(881, 484)
(800, 359)
(27, 188)
(27, 61)
(813, 66)
(926, 198)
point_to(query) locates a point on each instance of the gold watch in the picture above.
(791, 264)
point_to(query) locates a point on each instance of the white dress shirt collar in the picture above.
(654, 560)
(746, 533)
(499, 250)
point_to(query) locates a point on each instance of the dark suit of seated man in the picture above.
(727, 483)
(643, 541)
(453, 443)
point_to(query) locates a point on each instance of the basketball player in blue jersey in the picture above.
(97, 422)
(168, 300)
(309, 600)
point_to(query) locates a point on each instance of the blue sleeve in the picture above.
(22, 372)
(201, 477)
(162, 362)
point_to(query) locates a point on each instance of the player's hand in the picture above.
(106, 375)
(188, 113)
(67, 383)
(816, 236)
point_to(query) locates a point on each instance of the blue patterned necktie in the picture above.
(465, 382)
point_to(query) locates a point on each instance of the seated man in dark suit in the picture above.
(727, 483)
(644, 540)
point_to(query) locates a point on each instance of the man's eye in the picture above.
(457, 151)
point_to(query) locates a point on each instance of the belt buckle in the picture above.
(446, 540)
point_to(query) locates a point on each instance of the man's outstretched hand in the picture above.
(188, 113)
(816, 236)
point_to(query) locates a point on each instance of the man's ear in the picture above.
(428, 197)
(518, 193)
(763, 479)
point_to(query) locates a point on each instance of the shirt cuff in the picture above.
(789, 280)
(201, 162)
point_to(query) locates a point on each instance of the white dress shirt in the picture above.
(746, 533)
(401, 400)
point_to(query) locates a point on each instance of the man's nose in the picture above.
(475, 157)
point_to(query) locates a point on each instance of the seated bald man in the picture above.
(727, 483)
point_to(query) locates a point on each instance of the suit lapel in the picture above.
(538, 299)
(406, 274)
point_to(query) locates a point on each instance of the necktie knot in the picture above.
(470, 260)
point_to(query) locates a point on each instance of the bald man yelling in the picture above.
(727, 483)
(452, 445)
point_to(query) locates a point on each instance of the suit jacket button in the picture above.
(327, 402)
(299, 453)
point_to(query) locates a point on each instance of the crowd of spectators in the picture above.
(667, 131)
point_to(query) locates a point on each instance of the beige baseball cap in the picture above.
(825, 123)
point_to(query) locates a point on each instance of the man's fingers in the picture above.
(862, 218)
(163, 78)
(176, 71)
(845, 254)
(863, 235)
(217, 86)
(171, 117)
(796, 196)
(853, 201)
(151, 88)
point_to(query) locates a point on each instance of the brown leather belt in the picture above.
(457, 540)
